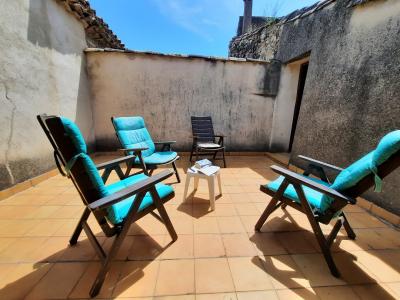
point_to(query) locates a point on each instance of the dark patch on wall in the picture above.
(5, 179)
(270, 84)
(107, 144)
(25, 169)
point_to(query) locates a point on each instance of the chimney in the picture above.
(247, 16)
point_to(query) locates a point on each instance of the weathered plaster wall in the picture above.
(167, 90)
(284, 107)
(352, 93)
(42, 70)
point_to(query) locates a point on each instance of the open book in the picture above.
(209, 170)
(205, 167)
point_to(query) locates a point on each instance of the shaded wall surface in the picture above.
(42, 70)
(352, 93)
(167, 90)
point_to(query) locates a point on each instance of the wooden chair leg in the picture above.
(143, 165)
(79, 227)
(350, 233)
(106, 263)
(191, 154)
(120, 174)
(176, 172)
(323, 244)
(163, 214)
(272, 205)
(128, 168)
(215, 155)
(106, 174)
(267, 212)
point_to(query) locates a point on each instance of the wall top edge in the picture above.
(181, 56)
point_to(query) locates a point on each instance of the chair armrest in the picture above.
(321, 164)
(293, 177)
(219, 135)
(135, 150)
(115, 162)
(165, 143)
(134, 189)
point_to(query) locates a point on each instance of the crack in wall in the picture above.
(10, 136)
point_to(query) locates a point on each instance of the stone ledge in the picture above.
(172, 55)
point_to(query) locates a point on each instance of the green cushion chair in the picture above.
(115, 206)
(135, 138)
(322, 200)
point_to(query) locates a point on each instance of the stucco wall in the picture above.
(42, 70)
(352, 93)
(167, 90)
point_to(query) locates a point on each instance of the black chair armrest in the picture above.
(219, 135)
(114, 163)
(137, 151)
(166, 145)
(321, 164)
(295, 178)
(138, 187)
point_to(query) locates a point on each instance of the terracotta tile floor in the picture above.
(217, 255)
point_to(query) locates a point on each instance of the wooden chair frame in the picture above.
(148, 169)
(98, 206)
(318, 168)
(202, 151)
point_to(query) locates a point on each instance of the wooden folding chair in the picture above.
(115, 206)
(204, 139)
(322, 201)
(135, 138)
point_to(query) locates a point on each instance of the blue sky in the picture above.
(202, 27)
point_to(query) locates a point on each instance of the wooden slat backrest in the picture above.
(202, 128)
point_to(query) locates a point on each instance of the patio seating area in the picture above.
(218, 255)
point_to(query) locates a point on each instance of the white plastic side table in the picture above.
(211, 186)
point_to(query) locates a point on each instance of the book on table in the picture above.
(205, 167)
(202, 163)
(209, 170)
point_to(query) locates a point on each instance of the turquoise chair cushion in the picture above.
(316, 199)
(350, 176)
(118, 212)
(159, 158)
(389, 145)
(132, 133)
(75, 134)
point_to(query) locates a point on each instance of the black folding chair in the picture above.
(115, 206)
(204, 139)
